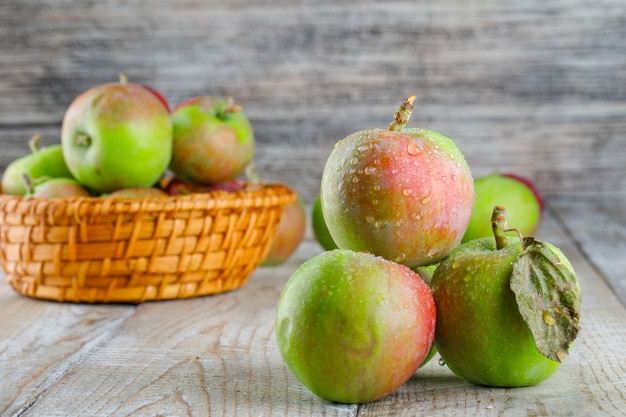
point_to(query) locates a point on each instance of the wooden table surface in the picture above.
(218, 356)
(532, 87)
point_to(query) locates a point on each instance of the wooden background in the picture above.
(534, 87)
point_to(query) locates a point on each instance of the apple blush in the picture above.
(354, 327)
(405, 194)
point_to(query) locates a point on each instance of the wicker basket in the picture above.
(113, 250)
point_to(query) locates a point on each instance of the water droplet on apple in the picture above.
(355, 179)
(379, 224)
(441, 362)
(426, 199)
(407, 192)
(370, 170)
(413, 149)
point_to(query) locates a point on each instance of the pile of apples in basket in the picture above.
(122, 140)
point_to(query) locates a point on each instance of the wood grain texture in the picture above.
(218, 356)
(533, 88)
(598, 229)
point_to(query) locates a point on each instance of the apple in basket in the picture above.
(60, 187)
(117, 135)
(41, 162)
(213, 140)
(176, 186)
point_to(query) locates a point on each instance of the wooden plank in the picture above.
(598, 229)
(41, 341)
(218, 355)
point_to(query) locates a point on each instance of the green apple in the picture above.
(405, 194)
(289, 234)
(54, 188)
(41, 162)
(213, 140)
(320, 230)
(353, 327)
(521, 198)
(117, 135)
(508, 310)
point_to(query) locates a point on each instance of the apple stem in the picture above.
(28, 183)
(232, 107)
(402, 116)
(123, 77)
(500, 228)
(498, 225)
(33, 143)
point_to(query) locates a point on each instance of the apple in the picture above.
(176, 186)
(289, 234)
(320, 230)
(405, 194)
(508, 308)
(213, 140)
(158, 95)
(60, 187)
(521, 198)
(117, 135)
(353, 327)
(138, 192)
(41, 162)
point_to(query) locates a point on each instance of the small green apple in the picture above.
(320, 230)
(60, 187)
(404, 194)
(213, 140)
(41, 162)
(352, 326)
(508, 309)
(117, 135)
(521, 198)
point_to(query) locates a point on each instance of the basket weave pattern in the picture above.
(104, 250)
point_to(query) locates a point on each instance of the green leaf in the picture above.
(548, 298)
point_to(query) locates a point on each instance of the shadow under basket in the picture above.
(131, 250)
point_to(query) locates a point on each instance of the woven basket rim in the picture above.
(266, 194)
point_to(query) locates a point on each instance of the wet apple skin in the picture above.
(353, 327)
(480, 333)
(406, 196)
